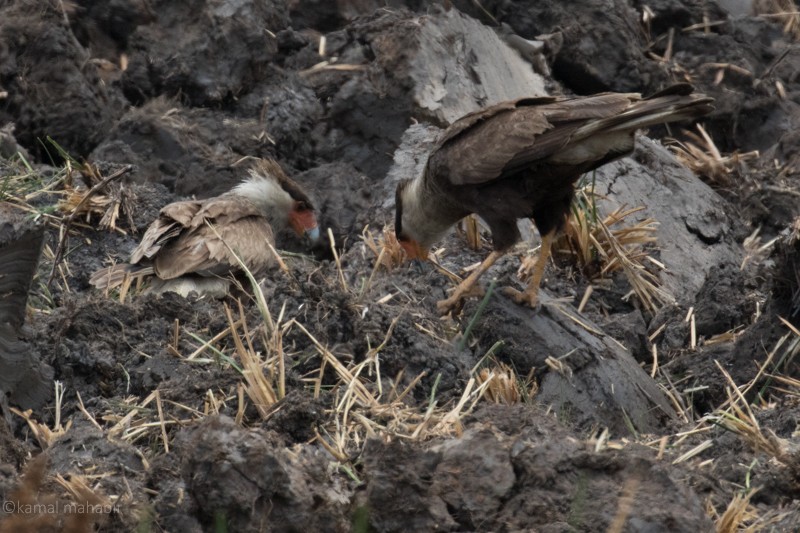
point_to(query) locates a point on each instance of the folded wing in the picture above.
(201, 238)
(512, 136)
(482, 147)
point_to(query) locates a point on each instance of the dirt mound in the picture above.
(499, 476)
(53, 88)
(229, 475)
(218, 54)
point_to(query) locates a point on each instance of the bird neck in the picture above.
(270, 199)
(427, 213)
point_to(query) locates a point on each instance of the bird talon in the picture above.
(450, 306)
(476, 291)
(455, 303)
(530, 299)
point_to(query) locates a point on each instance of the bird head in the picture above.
(413, 249)
(303, 220)
(283, 200)
(404, 228)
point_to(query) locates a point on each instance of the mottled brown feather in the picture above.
(475, 118)
(194, 240)
(182, 225)
(202, 251)
(199, 249)
(172, 219)
(520, 159)
(510, 135)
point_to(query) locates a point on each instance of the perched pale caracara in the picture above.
(520, 159)
(191, 245)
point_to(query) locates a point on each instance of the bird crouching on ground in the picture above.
(193, 244)
(521, 159)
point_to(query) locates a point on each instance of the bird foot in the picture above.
(451, 305)
(455, 303)
(530, 299)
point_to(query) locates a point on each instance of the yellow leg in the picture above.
(531, 294)
(455, 301)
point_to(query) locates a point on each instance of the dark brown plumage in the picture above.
(192, 245)
(521, 159)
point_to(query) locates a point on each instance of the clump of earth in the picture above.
(625, 419)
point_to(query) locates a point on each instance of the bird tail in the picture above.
(112, 277)
(673, 104)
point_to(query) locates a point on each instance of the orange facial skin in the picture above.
(414, 250)
(304, 222)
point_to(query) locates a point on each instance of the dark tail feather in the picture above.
(113, 276)
(670, 105)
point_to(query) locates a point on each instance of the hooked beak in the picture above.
(312, 234)
(304, 223)
(413, 250)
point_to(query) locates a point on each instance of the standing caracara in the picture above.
(521, 159)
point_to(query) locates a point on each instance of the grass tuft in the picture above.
(600, 246)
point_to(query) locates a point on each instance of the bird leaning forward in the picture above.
(521, 159)
(193, 244)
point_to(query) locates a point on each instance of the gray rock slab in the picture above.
(695, 232)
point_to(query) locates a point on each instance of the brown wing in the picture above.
(201, 249)
(477, 117)
(171, 221)
(179, 219)
(482, 146)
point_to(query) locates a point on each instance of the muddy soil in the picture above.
(348, 96)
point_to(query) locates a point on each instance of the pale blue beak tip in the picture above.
(313, 234)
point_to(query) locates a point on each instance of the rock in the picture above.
(737, 8)
(85, 447)
(630, 330)
(344, 200)
(598, 382)
(75, 107)
(220, 52)
(722, 302)
(750, 112)
(603, 42)
(8, 144)
(696, 227)
(183, 148)
(436, 67)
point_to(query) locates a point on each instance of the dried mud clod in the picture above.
(513, 475)
(229, 473)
